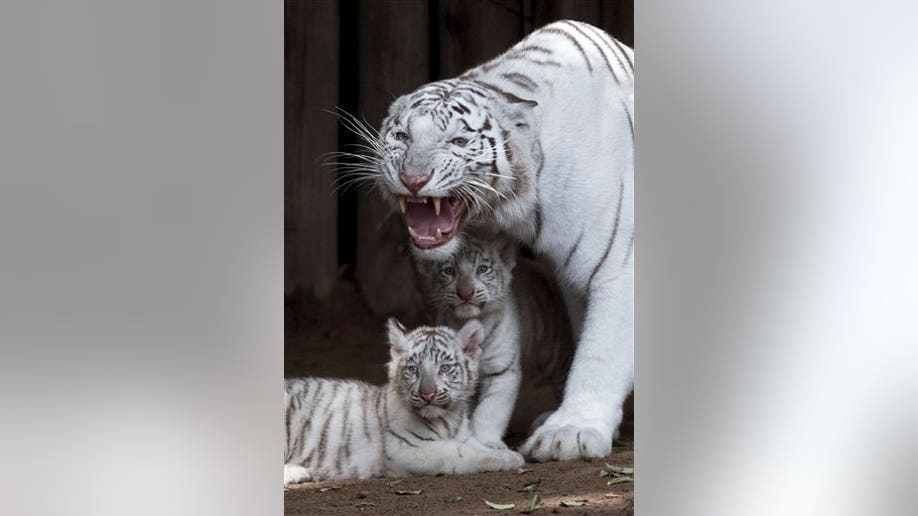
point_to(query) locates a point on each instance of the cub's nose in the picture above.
(466, 293)
(414, 183)
(428, 396)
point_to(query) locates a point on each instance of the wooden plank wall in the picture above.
(310, 205)
(361, 54)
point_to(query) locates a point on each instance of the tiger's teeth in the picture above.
(412, 232)
(436, 201)
(424, 200)
(439, 234)
(401, 203)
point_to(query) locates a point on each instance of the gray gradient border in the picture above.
(141, 233)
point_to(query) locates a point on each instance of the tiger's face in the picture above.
(447, 158)
(434, 368)
(474, 280)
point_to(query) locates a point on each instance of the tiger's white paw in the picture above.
(296, 474)
(566, 437)
(511, 459)
(495, 445)
(539, 421)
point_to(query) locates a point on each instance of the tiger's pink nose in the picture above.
(466, 293)
(428, 396)
(414, 183)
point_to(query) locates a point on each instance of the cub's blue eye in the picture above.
(445, 368)
(401, 136)
(483, 269)
(411, 369)
(448, 271)
(459, 141)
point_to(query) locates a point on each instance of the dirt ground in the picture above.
(337, 347)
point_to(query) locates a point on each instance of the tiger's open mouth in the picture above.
(431, 221)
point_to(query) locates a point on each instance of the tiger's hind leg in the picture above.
(296, 474)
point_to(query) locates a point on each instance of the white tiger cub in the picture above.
(537, 143)
(526, 326)
(415, 424)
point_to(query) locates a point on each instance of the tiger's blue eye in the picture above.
(459, 141)
(411, 369)
(445, 368)
(448, 271)
(483, 269)
(401, 136)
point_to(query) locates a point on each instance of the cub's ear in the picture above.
(396, 334)
(507, 249)
(470, 337)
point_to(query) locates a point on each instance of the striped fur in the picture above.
(527, 331)
(348, 429)
(547, 156)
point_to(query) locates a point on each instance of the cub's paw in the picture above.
(296, 474)
(511, 459)
(567, 442)
(495, 444)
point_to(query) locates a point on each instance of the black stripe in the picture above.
(420, 437)
(366, 409)
(618, 213)
(346, 429)
(323, 436)
(535, 48)
(546, 62)
(570, 254)
(487, 338)
(619, 45)
(382, 415)
(509, 97)
(598, 49)
(406, 441)
(605, 39)
(431, 428)
(521, 80)
(630, 121)
(538, 221)
(630, 248)
(553, 30)
(498, 373)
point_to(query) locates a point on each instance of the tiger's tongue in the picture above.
(422, 218)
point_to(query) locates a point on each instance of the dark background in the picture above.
(345, 256)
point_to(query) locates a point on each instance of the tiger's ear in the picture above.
(470, 337)
(397, 338)
(395, 108)
(519, 112)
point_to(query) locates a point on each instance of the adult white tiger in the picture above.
(538, 142)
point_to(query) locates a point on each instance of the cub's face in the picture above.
(471, 282)
(434, 368)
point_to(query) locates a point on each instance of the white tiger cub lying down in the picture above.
(527, 330)
(415, 424)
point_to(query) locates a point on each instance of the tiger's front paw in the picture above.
(495, 444)
(567, 442)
